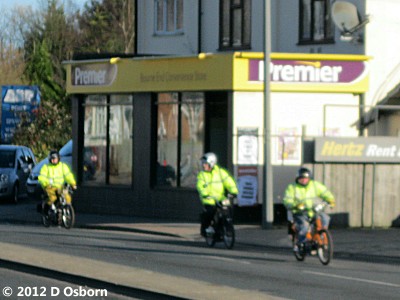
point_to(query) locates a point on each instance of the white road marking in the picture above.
(227, 259)
(354, 279)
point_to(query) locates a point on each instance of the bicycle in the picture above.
(60, 213)
(222, 225)
(318, 239)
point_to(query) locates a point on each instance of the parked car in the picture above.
(16, 163)
(34, 189)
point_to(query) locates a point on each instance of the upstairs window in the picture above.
(235, 21)
(316, 26)
(168, 16)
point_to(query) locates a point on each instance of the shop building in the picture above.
(148, 120)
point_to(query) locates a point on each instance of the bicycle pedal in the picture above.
(313, 252)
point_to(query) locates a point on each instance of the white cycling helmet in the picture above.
(209, 158)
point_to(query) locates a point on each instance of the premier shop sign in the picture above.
(93, 74)
(358, 150)
(312, 75)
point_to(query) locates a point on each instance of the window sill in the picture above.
(167, 34)
(222, 49)
(323, 42)
(174, 188)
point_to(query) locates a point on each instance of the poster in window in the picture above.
(287, 146)
(248, 185)
(247, 146)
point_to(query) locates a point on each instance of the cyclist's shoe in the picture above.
(314, 247)
(308, 247)
(210, 231)
(299, 247)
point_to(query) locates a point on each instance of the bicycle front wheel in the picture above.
(299, 253)
(210, 239)
(68, 216)
(45, 220)
(228, 235)
(325, 246)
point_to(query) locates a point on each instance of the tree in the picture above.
(108, 26)
(51, 36)
(47, 43)
(124, 16)
(11, 51)
(50, 130)
(52, 123)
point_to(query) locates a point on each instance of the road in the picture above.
(274, 273)
(23, 285)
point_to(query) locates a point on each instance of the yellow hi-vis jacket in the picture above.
(299, 198)
(212, 185)
(56, 175)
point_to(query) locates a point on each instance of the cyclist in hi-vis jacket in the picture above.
(53, 176)
(300, 197)
(213, 182)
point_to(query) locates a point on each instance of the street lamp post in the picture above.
(268, 206)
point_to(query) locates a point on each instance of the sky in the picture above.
(8, 4)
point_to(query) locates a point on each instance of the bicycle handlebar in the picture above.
(320, 207)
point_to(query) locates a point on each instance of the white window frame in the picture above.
(177, 17)
(316, 25)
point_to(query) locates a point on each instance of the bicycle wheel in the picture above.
(68, 216)
(210, 239)
(228, 235)
(325, 246)
(45, 216)
(300, 252)
(45, 221)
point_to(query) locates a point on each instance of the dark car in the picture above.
(90, 162)
(16, 163)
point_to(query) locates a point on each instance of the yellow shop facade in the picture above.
(141, 124)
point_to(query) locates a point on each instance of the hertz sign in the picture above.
(361, 150)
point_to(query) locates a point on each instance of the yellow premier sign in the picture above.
(240, 71)
(297, 72)
(157, 74)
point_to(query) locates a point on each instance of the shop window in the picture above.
(316, 24)
(180, 138)
(108, 140)
(235, 24)
(168, 16)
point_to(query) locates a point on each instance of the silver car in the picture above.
(16, 163)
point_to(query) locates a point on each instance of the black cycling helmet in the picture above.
(303, 173)
(54, 154)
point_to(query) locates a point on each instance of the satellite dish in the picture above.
(346, 17)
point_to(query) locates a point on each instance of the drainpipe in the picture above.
(199, 24)
(363, 195)
(136, 26)
(373, 196)
(361, 114)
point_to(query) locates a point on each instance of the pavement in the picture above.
(371, 245)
